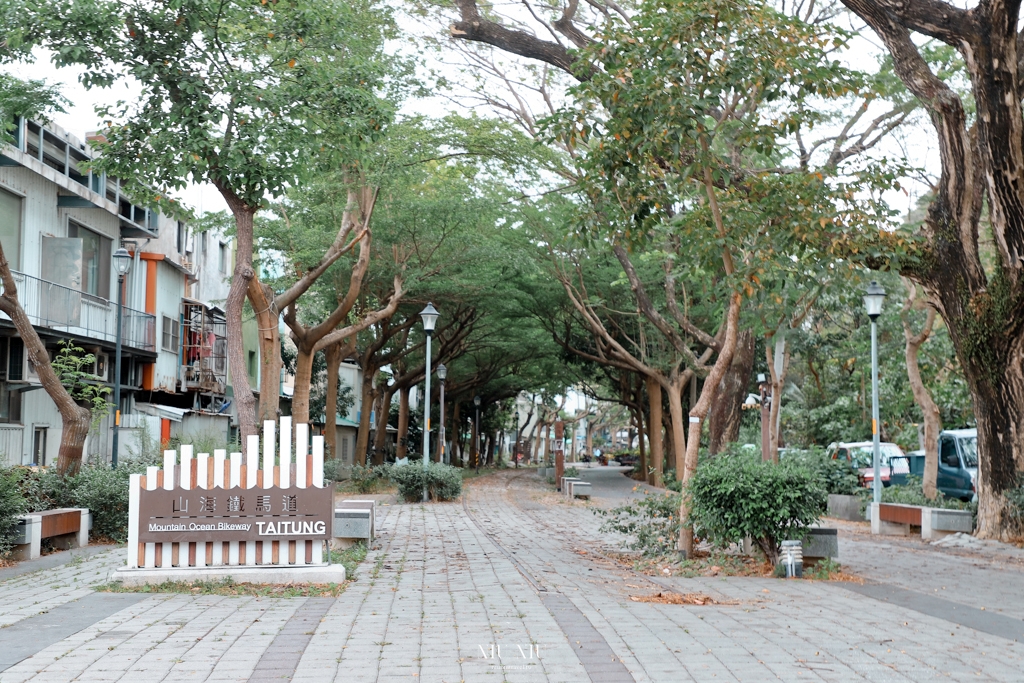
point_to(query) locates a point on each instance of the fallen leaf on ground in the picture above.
(666, 598)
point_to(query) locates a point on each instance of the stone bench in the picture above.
(65, 527)
(896, 520)
(579, 489)
(563, 486)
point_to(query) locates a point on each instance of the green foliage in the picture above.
(444, 482)
(733, 497)
(571, 472)
(370, 479)
(31, 99)
(912, 493)
(1015, 498)
(350, 558)
(287, 81)
(83, 386)
(650, 524)
(335, 470)
(835, 476)
(12, 504)
(823, 570)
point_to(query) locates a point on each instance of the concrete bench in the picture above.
(564, 484)
(579, 489)
(351, 525)
(937, 523)
(370, 505)
(65, 527)
(845, 507)
(896, 520)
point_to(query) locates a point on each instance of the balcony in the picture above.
(67, 310)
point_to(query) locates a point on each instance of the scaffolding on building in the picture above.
(204, 366)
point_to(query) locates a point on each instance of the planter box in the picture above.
(844, 507)
(579, 489)
(821, 543)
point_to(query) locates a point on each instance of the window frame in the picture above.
(105, 247)
(175, 336)
(14, 255)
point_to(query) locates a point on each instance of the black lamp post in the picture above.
(873, 299)
(122, 264)
(442, 452)
(429, 315)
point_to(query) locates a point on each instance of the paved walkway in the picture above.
(512, 585)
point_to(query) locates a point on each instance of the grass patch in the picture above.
(350, 558)
(228, 587)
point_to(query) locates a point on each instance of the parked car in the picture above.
(957, 475)
(894, 463)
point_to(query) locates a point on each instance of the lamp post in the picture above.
(122, 264)
(476, 402)
(442, 373)
(873, 304)
(429, 316)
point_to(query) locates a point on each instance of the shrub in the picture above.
(571, 472)
(912, 493)
(444, 482)
(335, 470)
(12, 504)
(738, 496)
(369, 479)
(105, 492)
(835, 476)
(651, 523)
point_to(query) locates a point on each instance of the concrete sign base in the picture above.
(273, 574)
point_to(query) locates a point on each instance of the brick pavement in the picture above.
(445, 584)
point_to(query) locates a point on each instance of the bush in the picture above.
(651, 522)
(369, 479)
(571, 472)
(835, 476)
(12, 504)
(444, 482)
(335, 470)
(912, 493)
(737, 496)
(105, 492)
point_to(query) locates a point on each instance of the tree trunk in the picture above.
(380, 440)
(923, 398)
(456, 437)
(639, 417)
(547, 445)
(334, 358)
(675, 411)
(245, 401)
(75, 420)
(403, 424)
(656, 476)
(303, 380)
(474, 452)
(365, 407)
(699, 412)
(727, 410)
(269, 337)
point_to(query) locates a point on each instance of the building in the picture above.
(59, 225)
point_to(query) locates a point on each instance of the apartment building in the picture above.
(60, 224)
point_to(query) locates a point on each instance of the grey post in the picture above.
(429, 315)
(122, 264)
(873, 303)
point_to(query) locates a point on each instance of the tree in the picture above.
(929, 411)
(982, 155)
(235, 94)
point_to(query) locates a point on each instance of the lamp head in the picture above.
(442, 372)
(122, 261)
(476, 401)
(429, 315)
(873, 298)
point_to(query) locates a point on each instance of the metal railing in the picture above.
(57, 307)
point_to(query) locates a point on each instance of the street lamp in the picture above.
(122, 264)
(429, 316)
(476, 402)
(873, 304)
(442, 373)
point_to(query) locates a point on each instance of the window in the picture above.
(344, 449)
(10, 228)
(96, 255)
(222, 258)
(10, 403)
(947, 453)
(252, 365)
(14, 354)
(181, 237)
(171, 334)
(202, 243)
